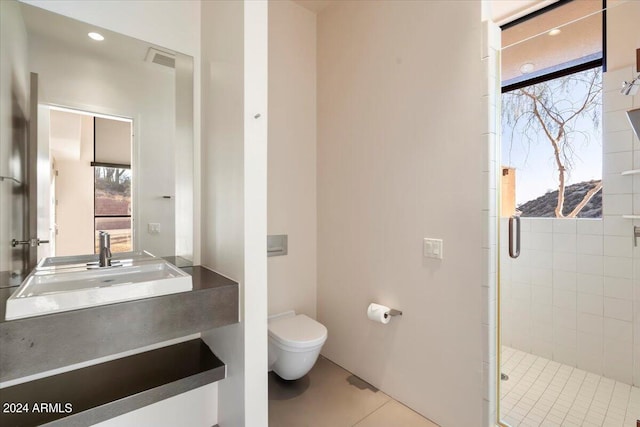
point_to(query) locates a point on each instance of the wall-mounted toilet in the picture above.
(294, 344)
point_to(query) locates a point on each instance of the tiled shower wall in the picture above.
(573, 295)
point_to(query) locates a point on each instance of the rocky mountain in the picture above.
(544, 205)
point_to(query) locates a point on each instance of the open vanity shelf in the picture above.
(103, 391)
(96, 393)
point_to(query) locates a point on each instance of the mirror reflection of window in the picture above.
(113, 207)
(112, 183)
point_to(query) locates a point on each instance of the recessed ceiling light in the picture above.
(554, 32)
(527, 68)
(96, 36)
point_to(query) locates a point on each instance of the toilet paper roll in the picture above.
(378, 313)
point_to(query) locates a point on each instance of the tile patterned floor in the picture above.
(330, 396)
(541, 392)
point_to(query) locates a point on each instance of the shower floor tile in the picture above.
(541, 392)
(330, 396)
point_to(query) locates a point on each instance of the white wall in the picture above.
(14, 91)
(222, 182)
(292, 156)
(234, 207)
(174, 24)
(74, 193)
(571, 295)
(256, 115)
(174, 411)
(399, 159)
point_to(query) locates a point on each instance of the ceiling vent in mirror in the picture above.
(161, 58)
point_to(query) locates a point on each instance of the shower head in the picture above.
(631, 88)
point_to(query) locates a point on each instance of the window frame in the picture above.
(601, 62)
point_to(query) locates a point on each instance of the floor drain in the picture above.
(504, 377)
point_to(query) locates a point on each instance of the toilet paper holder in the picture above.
(393, 312)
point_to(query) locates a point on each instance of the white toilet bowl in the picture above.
(294, 344)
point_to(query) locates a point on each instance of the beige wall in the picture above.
(400, 159)
(623, 37)
(292, 156)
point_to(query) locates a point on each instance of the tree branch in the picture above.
(587, 197)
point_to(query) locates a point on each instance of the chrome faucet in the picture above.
(105, 249)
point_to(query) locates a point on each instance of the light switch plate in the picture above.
(153, 228)
(432, 248)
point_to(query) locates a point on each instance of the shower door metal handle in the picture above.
(514, 252)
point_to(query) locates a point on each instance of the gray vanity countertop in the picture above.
(38, 344)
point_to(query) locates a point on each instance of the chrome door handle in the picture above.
(514, 252)
(15, 242)
(31, 242)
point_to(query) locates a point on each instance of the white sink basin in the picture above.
(72, 261)
(45, 292)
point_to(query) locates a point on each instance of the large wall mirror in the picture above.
(114, 142)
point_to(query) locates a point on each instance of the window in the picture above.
(113, 206)
(551, 111)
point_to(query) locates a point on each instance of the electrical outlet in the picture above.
(432, 248)
(153, 228)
